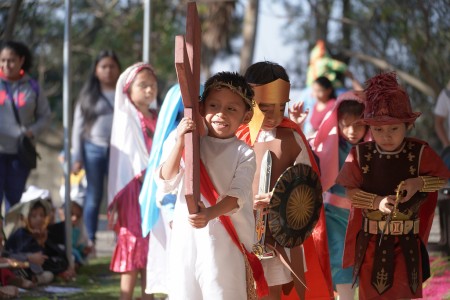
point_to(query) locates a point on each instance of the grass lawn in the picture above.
(98, 283)
(95, 280)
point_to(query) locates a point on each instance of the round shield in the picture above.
(295, 205)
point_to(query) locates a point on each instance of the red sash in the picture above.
(208, 191)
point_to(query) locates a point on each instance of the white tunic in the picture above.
(205, 263)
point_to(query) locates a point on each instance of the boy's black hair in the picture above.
(264, 72)
(233, 81)
(350, 107)
(326, 84)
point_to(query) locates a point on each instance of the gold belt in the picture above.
(397, 227)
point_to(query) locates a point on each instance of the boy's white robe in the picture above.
(205, 263)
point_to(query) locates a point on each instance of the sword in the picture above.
(259, 248)
(393, 212)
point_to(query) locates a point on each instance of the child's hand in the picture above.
(200, 219)
(387, 204)
(297, 114)
(411, 186)
(262, 201)
(37, 258)
(186, 125)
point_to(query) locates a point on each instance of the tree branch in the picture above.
(384, 65)
(11, 22)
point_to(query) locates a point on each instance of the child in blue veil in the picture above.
(170, 112)
(157, 208)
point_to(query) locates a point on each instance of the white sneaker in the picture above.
(44, 278)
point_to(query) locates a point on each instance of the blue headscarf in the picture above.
(167, 122)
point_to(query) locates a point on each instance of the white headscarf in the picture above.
(128, 151)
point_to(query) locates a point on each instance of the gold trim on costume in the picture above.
(255, 124)
(274, 92)
(431, 183)
(363, 200)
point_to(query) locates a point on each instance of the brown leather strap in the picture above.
(410, 248)
(383, 265)
(361, 246)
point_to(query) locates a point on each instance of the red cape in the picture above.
(318, 276)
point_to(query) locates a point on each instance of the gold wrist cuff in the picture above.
(363, 200)
(432, 183)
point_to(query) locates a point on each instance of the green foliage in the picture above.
(410, 36)
(96, 25)
(104, 24)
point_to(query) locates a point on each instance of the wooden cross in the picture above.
(187, 64)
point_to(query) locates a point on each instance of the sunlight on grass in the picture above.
(96, 281)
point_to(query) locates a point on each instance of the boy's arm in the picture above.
(223, 207)
(201, 219)
(171, 166)
(365, 200)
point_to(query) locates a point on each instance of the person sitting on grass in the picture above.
(82, 246)
(9, 281)
(31, 243)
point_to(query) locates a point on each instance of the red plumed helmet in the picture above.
(387, 102)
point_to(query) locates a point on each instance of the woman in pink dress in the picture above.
(325, 96)
(132, 132)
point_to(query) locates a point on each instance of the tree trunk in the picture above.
(249, 31)
(321, 10)
(216, 32)
(346, 28)
(12, 16)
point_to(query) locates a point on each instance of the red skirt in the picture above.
(130, 253)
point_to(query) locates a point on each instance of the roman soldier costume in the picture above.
(285, 150)
(388, 251)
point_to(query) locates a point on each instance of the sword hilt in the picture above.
(393, 213)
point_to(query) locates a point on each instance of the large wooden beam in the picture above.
(187, 64)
